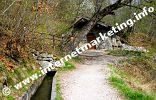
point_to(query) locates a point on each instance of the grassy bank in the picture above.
(134, 76)
(58, 90)
(127, 91)
(67, 66)
(121, 81)
(15, 72)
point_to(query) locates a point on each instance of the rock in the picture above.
(114, 43)
(45, 64)
(118, 41)
(50, 59)
(45, 57)
(106, 44)
(133, 48)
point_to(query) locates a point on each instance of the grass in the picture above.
(68, 66)
(77, 59)
(14, 76)
(58, 91)
(10, 98)
(125, 53)
(127, 91)
(117, 80)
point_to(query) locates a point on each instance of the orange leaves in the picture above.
(1, 58)
(41, 7)
(9, 65)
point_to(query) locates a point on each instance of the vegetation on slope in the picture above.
(137, 74)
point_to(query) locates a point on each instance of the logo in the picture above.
(6, 91)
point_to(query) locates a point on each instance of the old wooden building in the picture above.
(99, 27)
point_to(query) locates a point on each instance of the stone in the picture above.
(133, 48)
(114, 43)
(118, 42)
(45, 64)
(106, 44)
(45, 57)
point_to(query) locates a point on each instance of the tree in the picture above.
(99, 15)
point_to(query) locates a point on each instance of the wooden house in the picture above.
(99, 27)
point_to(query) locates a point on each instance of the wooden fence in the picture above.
(62, 40)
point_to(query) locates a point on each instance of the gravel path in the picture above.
(89, 81)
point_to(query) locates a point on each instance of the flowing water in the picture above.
(44, 91)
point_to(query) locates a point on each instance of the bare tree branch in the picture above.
(138, 8)
(8, 7)
(132, 6)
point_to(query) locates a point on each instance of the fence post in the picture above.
(53, 36)
(62, 37)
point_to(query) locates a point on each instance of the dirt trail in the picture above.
(90, 80)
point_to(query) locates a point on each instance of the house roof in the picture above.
(81, 21)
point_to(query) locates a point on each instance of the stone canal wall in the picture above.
(53, 90)
(31, 91)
